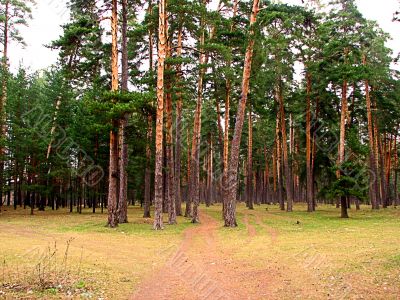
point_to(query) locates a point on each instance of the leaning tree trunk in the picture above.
(231, 184)
(158, 180)
(113, 168)
(123, 144)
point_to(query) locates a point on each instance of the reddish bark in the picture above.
(341, 159)
(158, 180)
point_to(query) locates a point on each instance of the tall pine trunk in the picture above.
(3, 98)
(149, 136)
(113, 169)
(178, 130)
(395, 201)
(232, 182)
(250, 160)
(158, 180)
(343, 117)
(123, 144)
(228, 87)
(309, 170)
(278, 146)
(285, 157)
(188, 207)
(170, 179)
(195, 153)
(373, 183)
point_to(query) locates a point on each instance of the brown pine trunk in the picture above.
(188, 207)
(250, 160)
(286, 167)
(382, 171)
(113, 169)
(178, 134)
(309, 189)
(123, 145)
(388, 152)
(149, 137)
(373, 183)
(266, 178)
(231, 184)
(211, 173)
(170, 179)
(170, 164)
(275, 171)
(195, 153)
(158, 180)
(395, 201)
(343, 117)
(3, 98)
(147, 178)
(228, 87)
(376, 153)
(314, 151)
(278, 143)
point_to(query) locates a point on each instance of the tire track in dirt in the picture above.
(251, 229)
(272, 231)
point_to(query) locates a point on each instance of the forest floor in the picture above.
(270, 255)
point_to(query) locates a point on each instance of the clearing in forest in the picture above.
(270, 255)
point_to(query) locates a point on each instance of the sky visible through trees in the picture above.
(49, 15)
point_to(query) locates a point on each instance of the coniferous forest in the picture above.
(193, 117)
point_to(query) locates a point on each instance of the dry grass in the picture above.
(319, 255)
(102, 262)
(310, 256)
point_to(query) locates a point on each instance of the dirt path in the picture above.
(197, 270)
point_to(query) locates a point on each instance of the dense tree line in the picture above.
(182, 102)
